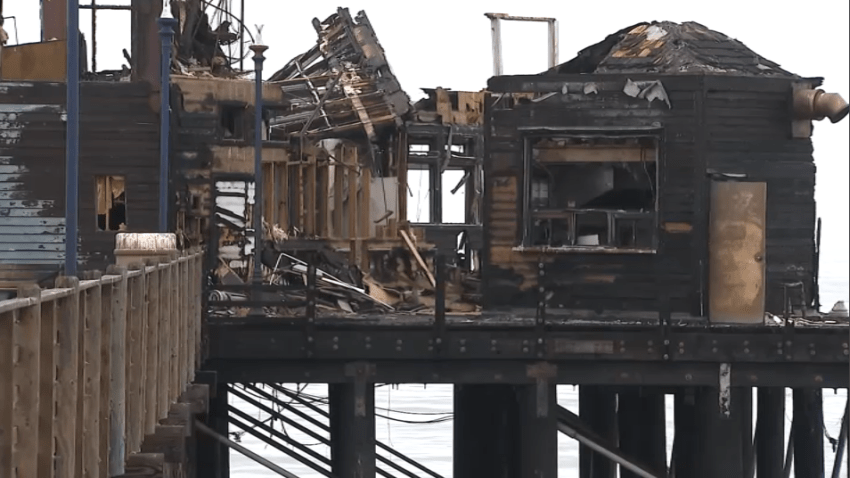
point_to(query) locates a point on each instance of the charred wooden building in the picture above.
(666, 166)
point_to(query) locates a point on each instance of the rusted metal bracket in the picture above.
(362, 373)
(543, 373)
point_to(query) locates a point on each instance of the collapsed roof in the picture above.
(342, 84)
(670, 48)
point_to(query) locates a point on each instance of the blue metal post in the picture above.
(166, 35)
(258, 160)
(72, 137)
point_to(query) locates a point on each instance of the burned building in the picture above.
(667, 166)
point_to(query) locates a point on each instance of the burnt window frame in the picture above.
(241, 125)
(107, 229)
(530, 135)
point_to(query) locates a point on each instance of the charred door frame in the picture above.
(655, 133)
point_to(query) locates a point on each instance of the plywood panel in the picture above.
(43, 61)
(736, 252)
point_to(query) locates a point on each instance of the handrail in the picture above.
(122, 348)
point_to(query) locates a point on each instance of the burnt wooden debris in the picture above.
(638, 221)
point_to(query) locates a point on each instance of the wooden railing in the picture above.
(89, 368)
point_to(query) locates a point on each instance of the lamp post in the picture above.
(72, 137)
(166, 36)
(258, 50)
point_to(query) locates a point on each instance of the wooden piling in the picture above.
(6, 400)
(134, 425)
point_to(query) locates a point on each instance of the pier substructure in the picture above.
(808, 433)
(720, 439)
(685, 440)
(770, 432)
(486, 420)
(598, 410)
(352, 423)
(642, 428)
(213, 458)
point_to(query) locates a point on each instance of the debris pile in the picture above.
(399, 280)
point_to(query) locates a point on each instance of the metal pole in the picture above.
(553, 43)
(166, 36)
(572, 433)
(242, 36)
(72, 137)
(497, 46)
(258, 50)
(241, 449)
(93, 36)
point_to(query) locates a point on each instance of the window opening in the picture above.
(111, 203)
(232, 121)
(599, 192)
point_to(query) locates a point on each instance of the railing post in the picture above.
(153, 348)
(117, 372)
(185, 312)
(91, 308)
(174, 313)
(134, 365)
(65, 426)
(163, 370)
(47, 393)
(6, 325)
(26, 338)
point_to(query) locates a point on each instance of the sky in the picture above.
(448, 44)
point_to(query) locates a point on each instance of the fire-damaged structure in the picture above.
(638, 221)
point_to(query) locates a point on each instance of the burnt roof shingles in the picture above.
(671, 48)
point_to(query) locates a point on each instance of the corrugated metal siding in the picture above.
(32, 227)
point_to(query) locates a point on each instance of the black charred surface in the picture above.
(670, 48)
(715, 124)
(119, 136)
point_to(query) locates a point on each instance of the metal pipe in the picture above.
(572, 433)
(242, 31)
(553, 43)
(258, 50)
(241, 449)
(842, 443)
(166, 36)
(496, 30)
(93, 36)
(72, 137)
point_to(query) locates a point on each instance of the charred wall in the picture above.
(119, 137)
(729, 126)
(592, 280)
(748, 133)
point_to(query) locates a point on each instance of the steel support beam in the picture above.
(352, 419)
(598, 410)
(642, 428)
(808, 433)
(486, 422)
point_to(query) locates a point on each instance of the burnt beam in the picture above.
(486, 422)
